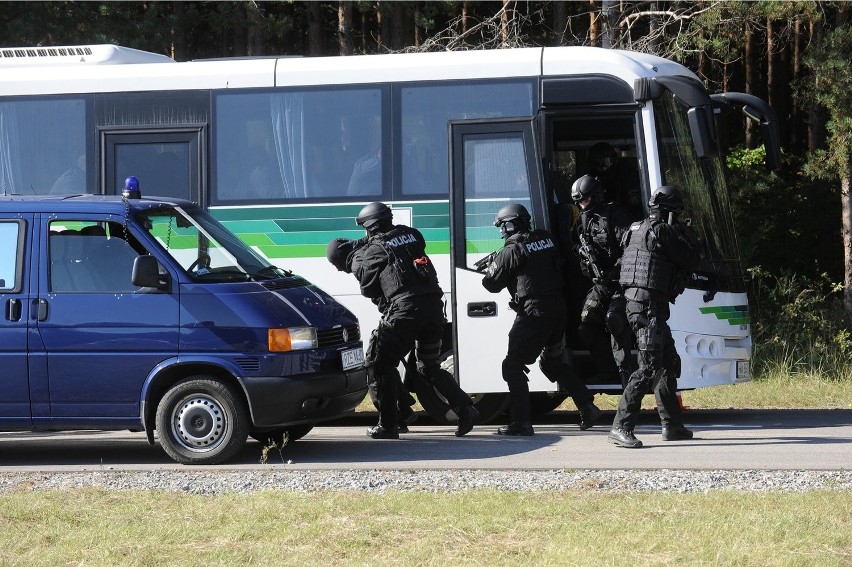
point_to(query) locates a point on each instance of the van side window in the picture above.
(93, 257)
(10, 255)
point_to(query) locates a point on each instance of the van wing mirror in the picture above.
(146, 273)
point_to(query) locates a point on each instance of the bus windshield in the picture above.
(705, 194)
(205, 249)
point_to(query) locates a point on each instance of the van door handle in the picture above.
(39, 312)
(484, 309)
(13, 310)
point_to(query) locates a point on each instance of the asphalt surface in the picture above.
(724, 439)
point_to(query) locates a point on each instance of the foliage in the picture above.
(799, 325)
(785, 221)
(831, 89)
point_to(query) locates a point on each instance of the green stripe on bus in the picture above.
(733, 314)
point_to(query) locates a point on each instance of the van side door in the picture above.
(16, 236)
(103, 336)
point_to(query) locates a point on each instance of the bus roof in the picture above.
(113, 72)
(77, 55)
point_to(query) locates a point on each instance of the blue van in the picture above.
(148, 314)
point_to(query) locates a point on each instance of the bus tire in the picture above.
(276, 436)
(201, 421)
(490, 406)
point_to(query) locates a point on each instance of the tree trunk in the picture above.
(397, 29)
(750, 71)
(795, 118)
(464, 15)
(315, 29)
(560, 21)
(344, 28)
(609, 19)
(846, 204)
(384, 21)
(654, 28)
(504, 22)
(594, 23)
(816, 115)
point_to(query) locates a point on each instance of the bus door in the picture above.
(492, 164)
(15, 234)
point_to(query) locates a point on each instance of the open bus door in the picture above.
(492, 164)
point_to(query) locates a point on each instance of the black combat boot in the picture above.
(624, 438)
(380, 432)
(676, 433)
(406, 419)
(468, 415)
(589, 415)
(519, 428)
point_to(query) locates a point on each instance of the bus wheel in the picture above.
(490, 406)
(276, 436)
(545, 402)
(201, 421)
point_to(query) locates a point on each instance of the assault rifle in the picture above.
(482, 264)
(587, 252)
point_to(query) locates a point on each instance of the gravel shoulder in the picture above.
(377, 481)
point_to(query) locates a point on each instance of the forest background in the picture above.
(794, 225)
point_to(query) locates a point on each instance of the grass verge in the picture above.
(96, 527)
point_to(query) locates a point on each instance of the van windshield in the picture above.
(205, 249)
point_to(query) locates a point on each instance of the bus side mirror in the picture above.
(758, 110)
(702, 127)
(146, 273)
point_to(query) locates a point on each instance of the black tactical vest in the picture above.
(540, 275)
(642, 265)
(409, 270)
(599, 231)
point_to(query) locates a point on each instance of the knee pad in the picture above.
(514, 372)
(427, 353)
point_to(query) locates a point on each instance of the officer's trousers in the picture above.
(659, 366)
(529, 338)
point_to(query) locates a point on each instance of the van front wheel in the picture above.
(201, 421)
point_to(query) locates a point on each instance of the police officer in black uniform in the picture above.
(603, 322)
(659, 254)
(395, 272)
(528, 266)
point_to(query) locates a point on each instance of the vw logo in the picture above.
(345, 336)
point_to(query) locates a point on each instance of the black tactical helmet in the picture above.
(512, 218)
(375, 215)
(585, 187)
(602, 156)
(337, 252)
(666, 198)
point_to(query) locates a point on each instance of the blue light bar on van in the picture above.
(292, 338)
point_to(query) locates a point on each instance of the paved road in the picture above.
(725, 439)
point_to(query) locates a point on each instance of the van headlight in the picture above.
(292, 338)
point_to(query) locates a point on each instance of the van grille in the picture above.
(334, 337)
(286, 283)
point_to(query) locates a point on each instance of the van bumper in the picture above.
(276, 401)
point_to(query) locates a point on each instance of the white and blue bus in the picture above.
(285, 152)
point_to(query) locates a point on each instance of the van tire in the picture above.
(201, 421)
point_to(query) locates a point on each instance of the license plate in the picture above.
(352, 358)
(743, 371)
